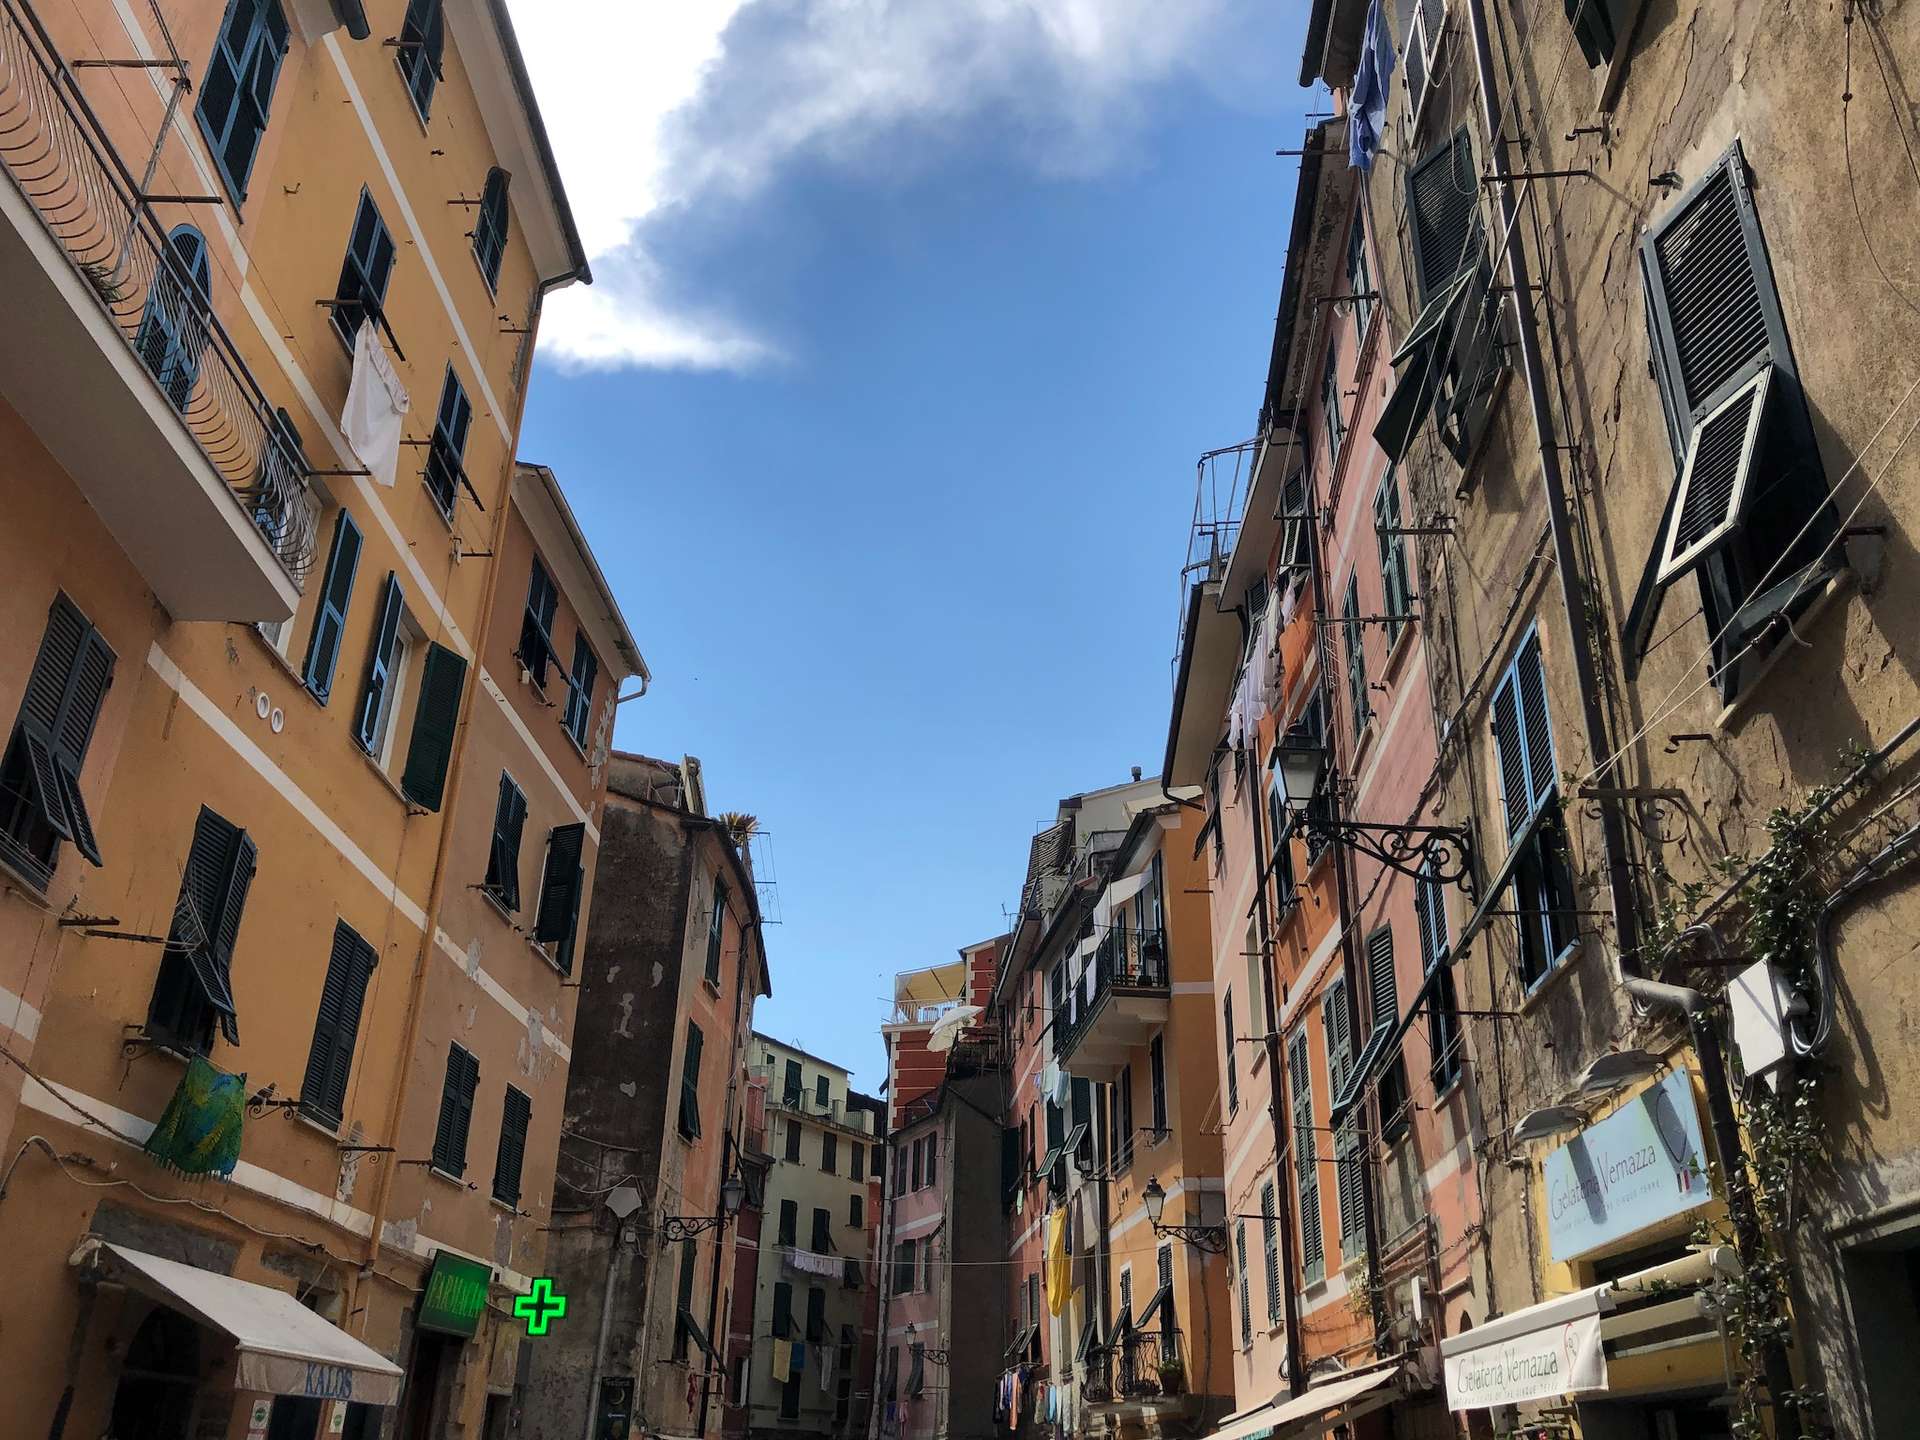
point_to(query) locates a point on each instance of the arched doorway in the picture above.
(159, 1380)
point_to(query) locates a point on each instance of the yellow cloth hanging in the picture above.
(1059, 1267)
(782, 1360)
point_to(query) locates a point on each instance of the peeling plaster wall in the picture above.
(1846, 260)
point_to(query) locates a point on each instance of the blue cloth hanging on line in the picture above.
(1367, 109)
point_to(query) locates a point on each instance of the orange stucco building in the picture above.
(302, 794)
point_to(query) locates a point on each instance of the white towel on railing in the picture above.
(377, 406)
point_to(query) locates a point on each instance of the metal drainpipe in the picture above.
(606, 1325)
(1787, 1418)
(1276, 1089)
(1579, 622)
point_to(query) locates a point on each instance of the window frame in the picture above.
(193, 987)
(510, 1157)
(365, 278)
(338, 1012)
(421, 54)
(176, 322)
(502, 882)
(454, 1126)
(492, 227)
(47, 750)
(447, 448)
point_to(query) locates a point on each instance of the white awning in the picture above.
(1124, 889)
(1347, 1398)
(1540, 1353)
(285, 1349)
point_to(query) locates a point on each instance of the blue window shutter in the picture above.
(1443, 214)
(330, 621)
(423, 39)
(1509, 744)
(172, 336)
(379, 664)
(1532, 682)
(503, 860)
(447, 451)
(490, 227)
(236, 94)
(365, 272)
(443, 680)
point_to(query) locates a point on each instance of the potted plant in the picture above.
(1173, 1375)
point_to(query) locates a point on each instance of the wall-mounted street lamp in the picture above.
(733, 1193)
(932, 1357)
(1211, 1239)
(1440, 853)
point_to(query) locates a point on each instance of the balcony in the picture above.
(116, 360)
(1142, 1367)
(1096, 1034)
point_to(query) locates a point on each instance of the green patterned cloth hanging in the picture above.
(199, 1134)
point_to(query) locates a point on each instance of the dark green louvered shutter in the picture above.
(456, 1111)
(373, 694)
(510, 1158)
(1443, 193)
(1270, 1246)
(443, 679)
(219, 875)
(1352, 1183)
(71, 674)
(690, 1085)
(1240, 1269)
(330, 620)
(336, 1026)
(1386, 1005)
(1510, 750)
(1306, 1159)
(1233, 1070)
(1523, 735)
(560, 884)
(490, 227)
(503, 857)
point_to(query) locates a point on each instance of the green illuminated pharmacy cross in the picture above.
(541, 1308)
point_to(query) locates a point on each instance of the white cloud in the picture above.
(677, 107)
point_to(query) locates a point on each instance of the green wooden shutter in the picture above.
(220, 870)
(1443, 194)
(443, 680)
(503, 859)
(330, 620)
(1510, 751)
(386, 634)
(72, 671)
(1270, 1246)
(510, 1159)
(1306, 1159)
(336, 1026)
(1380, 978)
(1246, 1297)
(1233, 1073)
(563, 953)
(456, 1111)
(783, 1308)
(490, 226)
(560, 884)
(690, 1083)
(1355, 634)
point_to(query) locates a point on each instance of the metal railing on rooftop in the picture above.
(58, 154)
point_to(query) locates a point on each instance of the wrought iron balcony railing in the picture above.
(1126, 960)
(154, 288)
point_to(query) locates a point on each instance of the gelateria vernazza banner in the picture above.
(1642, 1165)
(1540, 1353)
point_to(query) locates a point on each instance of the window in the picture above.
(690, 1084)
(1169, 1319)
(1336, 1023)
(40, 800)
(793, 1141)
(536, 625)
(1306, 1162)
(423, 42)
(1350, 1166)
(1453, 356)
(716, 928)
(1359, 274)
(1391, 1089)
(386, 662)
(336, 1027)
(829, 1152)
(781, 1322)
(793, 1086)
(789, 1232)
(580, 683)
(456, 1112)
(1296, 545)
(1426, 29)
(1280, 828)
(330, 615)
(1256, 981)
(933, 1157)
(172, 338)
(820, 1091)
(510, 1159)
(365, 274)
(1354, 633)
(1157, 1070)
(1240, 1269)
(1331, 419)
(816, 1314)
(1600, 26)
(683, 1300)
(856, 1211)
(903, 1267)
(195, 983)
(237, 92)
(1749, 512)
(1542, 882)
(443, 680)
(1443, 1005)
(822, 1231)
(1123, 1322)
(856, 1162)
(1395, 589)
(503, 854)
(1122, 1148)
(490, 227)
(447, 451)
(562, 879)
(1270, 1246)
(917, 1166)
(1233, 1071)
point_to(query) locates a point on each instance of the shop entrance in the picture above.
(423, 1402)
(159, 1381)
(294, 1418)
(1657, 1420)
(1883, 1289)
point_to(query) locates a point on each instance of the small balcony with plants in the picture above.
(1116, 1006)
(121, 367)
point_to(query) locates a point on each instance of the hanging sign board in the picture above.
(1544, 1364)
(1642, 1165)
(455, 1296)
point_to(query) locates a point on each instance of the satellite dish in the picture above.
(624, 1201)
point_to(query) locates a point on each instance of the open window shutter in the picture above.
(379, 664)
(213, 891)
(510, 1159)
(336, 1026)
(87, 687)
(68, 684)
(330, 623)
(1353, 1182)
(1532, 682)
(1386, 1004)
(1714, 476)
(1508, 743)
(466, 1082)
(243, 857)
(560, 884)
(442, 681)
(1443, 193)
(1270, 1245)
(563, 953)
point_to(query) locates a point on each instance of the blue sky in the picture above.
(883, 423)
